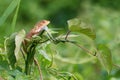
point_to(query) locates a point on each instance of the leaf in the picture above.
(44, 54)
(10, 47)
(81, 26)
(8, 11)
(117, 73)
(18, 41)
(104, 56)
(3, 62)
(79, 76)
(15, 17)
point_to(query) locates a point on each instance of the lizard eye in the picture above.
(44, 21)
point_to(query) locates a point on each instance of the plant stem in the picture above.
(85, 49)
(78, 45)
(116, 66)
(30, 59)
(67, 35)
(38, 65)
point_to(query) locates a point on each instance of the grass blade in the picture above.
(15, 17)
(8, 11)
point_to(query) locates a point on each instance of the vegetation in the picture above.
(81, 42)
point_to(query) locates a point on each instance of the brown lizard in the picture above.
(37, 28)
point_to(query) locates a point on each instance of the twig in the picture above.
(67, 35)
(116, 66)
(72, 42)
(85, 49)
(38, 65)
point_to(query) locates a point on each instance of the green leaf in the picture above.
(117, 73)
(15, 17)
(79, 76)
(8, 11)
(18, 41)
(10, 47)
(81, 26)
(104, 56)
(44, 54)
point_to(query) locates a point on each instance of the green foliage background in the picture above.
(104, 15)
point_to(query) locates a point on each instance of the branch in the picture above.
(83, 48)
(116, 66)
(67, 35)
(80, 46)
(38, 65)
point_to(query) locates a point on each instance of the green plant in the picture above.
(18, 44)
(22, 57)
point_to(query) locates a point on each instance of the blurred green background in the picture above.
(103, 14)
